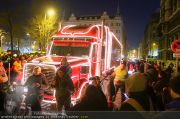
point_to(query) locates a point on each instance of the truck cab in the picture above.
(90, 50)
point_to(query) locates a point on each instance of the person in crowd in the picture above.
(151, 75)
(131, 69)
(119, 75)
(16, 70)
(141, 67)
(102, 87)
(65, 63)
(36, 84)
(64, 88)
(174, 105)
(3, 75)
(90, 101)
(160, 65)
(30, 57)
(138, 98)
(163, 65)
(136, 66)
(3, 84)
(107, 85)
(17, 65)
(159, 86)
(169, 71)
(23, 61)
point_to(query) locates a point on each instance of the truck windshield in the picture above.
(70, 51)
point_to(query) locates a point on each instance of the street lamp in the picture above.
(33, 47)
(50, 13)
(154, 48)
(27, 34)
(134, 51)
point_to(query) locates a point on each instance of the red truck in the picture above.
(90, 50)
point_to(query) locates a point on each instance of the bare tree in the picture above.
(42, 28)
(9, 21)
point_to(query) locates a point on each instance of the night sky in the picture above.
(135, 13)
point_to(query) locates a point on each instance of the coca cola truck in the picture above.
(90, 50)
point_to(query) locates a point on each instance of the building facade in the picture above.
(169, 27)
(133, 54)
(150, 42)
(115, 23)
(162, 29)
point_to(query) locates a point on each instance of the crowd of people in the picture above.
(11, 68)
(130, 86)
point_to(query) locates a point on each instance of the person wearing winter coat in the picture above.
(64, 88)
(174, 105)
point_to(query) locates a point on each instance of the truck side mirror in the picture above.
(84, 69)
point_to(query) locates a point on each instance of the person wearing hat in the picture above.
(138, 99)
(64, 88)
(175, 94)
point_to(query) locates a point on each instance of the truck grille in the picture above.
(48, 70)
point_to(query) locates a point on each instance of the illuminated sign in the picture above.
(71, 43)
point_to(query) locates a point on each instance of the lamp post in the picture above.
(33, 46)
(1, 39)
(50, 13)
(153, 49)
(28, 42)
(134, 53)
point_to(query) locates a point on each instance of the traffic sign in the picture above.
(177, 50)
(175, 45)
(176, 55)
